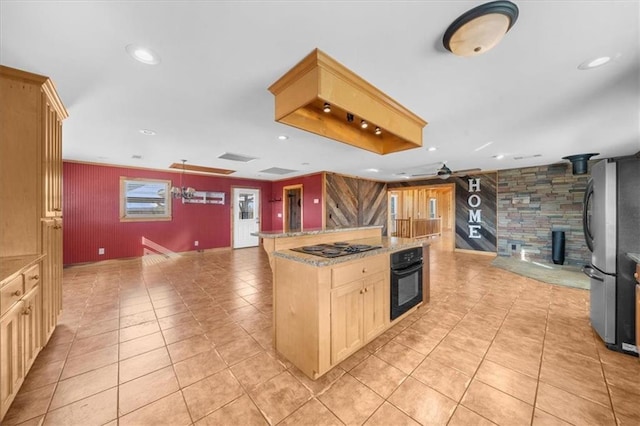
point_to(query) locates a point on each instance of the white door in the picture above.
(246, 217)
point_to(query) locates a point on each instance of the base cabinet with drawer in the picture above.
(324, 314)
(20, 331)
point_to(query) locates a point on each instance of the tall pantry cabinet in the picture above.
(31, 115)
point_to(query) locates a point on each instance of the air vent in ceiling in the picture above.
(277, 171)
(237, 157)
(524, 157)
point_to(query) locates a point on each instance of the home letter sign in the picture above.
(475, 216)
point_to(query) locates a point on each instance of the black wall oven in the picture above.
(406, 280)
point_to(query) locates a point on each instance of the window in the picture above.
(246, 210)
(144, 199)
(433, 211)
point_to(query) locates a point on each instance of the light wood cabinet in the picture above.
(52, 159)
(52, 275)
(357, 314)
(11, 356)
(324, 314)
(20, 332)
(376, 309)
(31, 116)
(347, 321)
(31, 326)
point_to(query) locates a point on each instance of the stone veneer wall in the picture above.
(534, 201)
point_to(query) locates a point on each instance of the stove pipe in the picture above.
(580, 162)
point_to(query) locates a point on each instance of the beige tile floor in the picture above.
(188, 341)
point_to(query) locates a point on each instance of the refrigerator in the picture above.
(611, 219)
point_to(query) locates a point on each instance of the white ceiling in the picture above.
(209, 93)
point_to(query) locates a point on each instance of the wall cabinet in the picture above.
(52, 159)
(31, 116)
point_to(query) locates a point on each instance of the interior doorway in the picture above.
(292, 208)
(246, 217)
(422, 211)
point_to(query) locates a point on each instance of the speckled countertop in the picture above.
(280, 234)
(389, 245)
(634, 256)
(10, 266)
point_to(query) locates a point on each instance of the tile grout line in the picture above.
(544, 341)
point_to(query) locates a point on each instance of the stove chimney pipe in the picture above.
(580, 162)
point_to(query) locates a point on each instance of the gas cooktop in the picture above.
(335, 249)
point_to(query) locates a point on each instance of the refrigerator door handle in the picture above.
(590, 272)
(586, 222)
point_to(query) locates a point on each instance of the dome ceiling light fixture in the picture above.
(480, 29)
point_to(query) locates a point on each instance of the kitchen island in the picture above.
(325, 309)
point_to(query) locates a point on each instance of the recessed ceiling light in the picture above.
(373, 170)
(594, 63)
(305, 164)
(283, 137)
(143, 54)
(147, 132)
(499, 156)
(432, 148)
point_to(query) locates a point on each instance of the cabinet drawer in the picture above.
(10, 294)
(31, 277)
(354, 271)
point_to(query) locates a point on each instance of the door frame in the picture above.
(233, 209)
(285, 206)
(422, 185)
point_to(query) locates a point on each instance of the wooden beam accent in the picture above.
(301, 93)
(202, 169)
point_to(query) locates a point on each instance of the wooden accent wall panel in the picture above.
(354, 202)
(341, 201)
(372, 203)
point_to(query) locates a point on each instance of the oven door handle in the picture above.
(407, 271)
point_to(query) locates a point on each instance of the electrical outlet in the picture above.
(101, 251)
(196, 242)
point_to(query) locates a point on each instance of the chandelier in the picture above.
(182, 191)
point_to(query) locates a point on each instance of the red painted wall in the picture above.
(92, 209)
(311, 189)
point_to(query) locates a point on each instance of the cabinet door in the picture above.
(31, 326)
(51, 283)
(11, 356)
(52, 159)
(375, 314)
(346, 320)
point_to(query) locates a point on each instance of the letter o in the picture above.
(474, 200)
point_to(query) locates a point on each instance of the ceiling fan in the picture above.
(445, 172)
